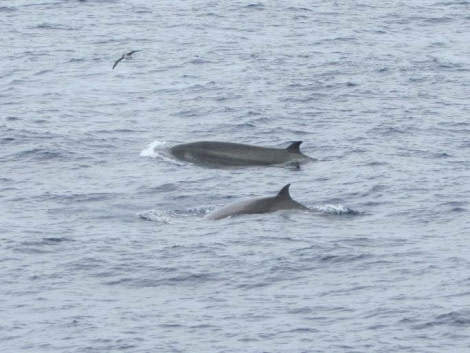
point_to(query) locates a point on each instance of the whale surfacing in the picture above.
(237, 154)
(282, 201)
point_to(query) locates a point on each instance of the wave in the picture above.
(7, 9)
(454, 318)
(178, 279)
(54, 26)
(40, 154)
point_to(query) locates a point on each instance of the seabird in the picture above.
(125, 56)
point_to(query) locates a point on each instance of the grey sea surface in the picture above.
(103, 242)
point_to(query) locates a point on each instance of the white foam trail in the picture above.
(173, 216)
(155, 216)
(334, 209)
(152, 149)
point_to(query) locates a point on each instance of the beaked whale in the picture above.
(282, 201)
(237, 154)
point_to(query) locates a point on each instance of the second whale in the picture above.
(215, 153)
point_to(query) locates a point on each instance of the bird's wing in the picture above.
(117, 61)
(132, 52)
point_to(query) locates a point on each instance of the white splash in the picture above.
(152, 149)
(174, 216)
(335, 209)
(155, 216)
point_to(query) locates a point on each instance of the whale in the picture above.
(215, 153)
(282, 201)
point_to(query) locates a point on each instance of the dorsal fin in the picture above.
(284, 193)
(294, 147)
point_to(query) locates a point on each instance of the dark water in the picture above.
(102, 239)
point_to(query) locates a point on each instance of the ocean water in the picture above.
(103, 242)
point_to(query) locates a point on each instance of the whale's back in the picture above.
(282, 201)
(235, 154)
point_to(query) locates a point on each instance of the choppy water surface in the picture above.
(103, 243)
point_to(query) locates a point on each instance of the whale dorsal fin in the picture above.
(294, 147)
(284, 193)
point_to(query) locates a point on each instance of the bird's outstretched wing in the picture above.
(132, 52)
(117, 61)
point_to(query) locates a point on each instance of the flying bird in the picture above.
(125, 56)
